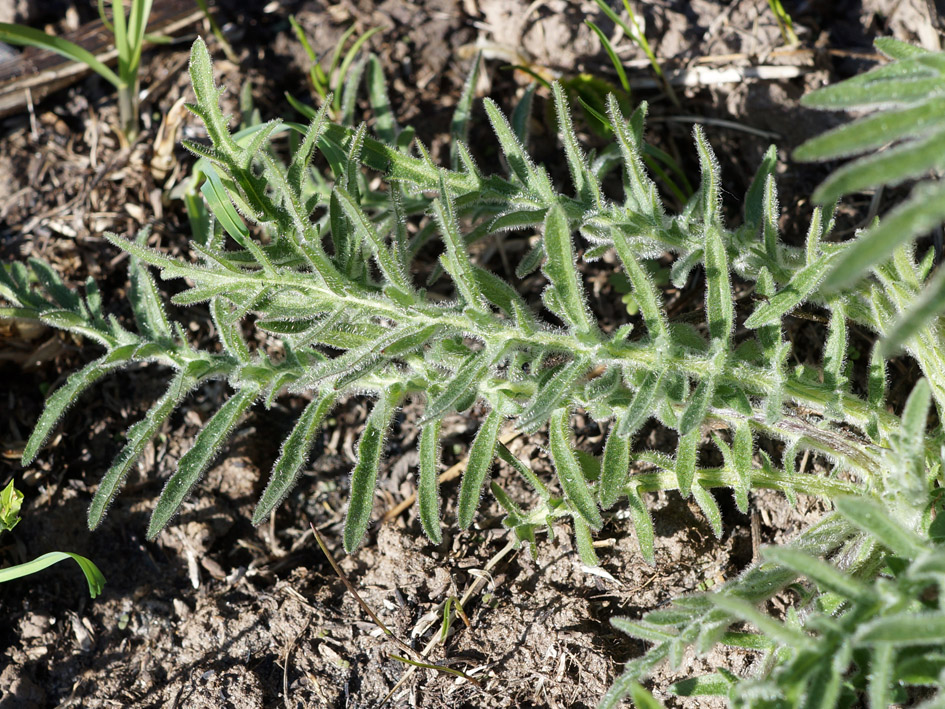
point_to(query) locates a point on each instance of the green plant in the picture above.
(130, 37)
(329, 274)
(636, 34)
(214, 28)
(785, 23)
(486, 345)
(867, 621)
(10, 501)
(395, 342)
(866, 624)
(591, 92)
(904, 138)
(335, 87)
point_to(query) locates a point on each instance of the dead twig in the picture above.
(474, 588)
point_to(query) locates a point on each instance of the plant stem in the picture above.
(128, 110)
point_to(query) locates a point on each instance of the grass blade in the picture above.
(384, 123)
(93, 576)
(609, 48)
(22, 35)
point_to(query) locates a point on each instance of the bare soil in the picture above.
(217, 613)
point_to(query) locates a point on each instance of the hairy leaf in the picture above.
(138, 437)
(428, 492)
(615, 469)
(793, 294)
(561, 271)
(481, 455)
(294, 453)
(68, 393)
(576, 488)
(195, 461)
(873, 518)
(364, 476)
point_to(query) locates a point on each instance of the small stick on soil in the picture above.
(351, 589)
(285, 663)
(34, 130)
(380, 624)
(474, 588)
(755, 537)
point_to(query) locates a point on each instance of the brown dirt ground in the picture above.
(216, 613)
